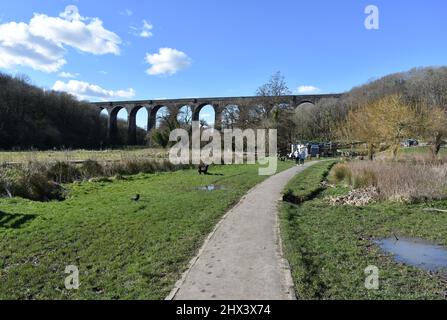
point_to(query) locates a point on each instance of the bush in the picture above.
(90, 169)
(63, 172)
(341, 173)
(160, 137)
(30, 182)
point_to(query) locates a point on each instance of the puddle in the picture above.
(211, 187)
(416, 252)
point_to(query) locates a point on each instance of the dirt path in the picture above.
(242, 258)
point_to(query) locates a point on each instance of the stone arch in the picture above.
(104, 117)
(184, 114)
(154, 115)
(197, 109)
(304, 104)
(230, 115)
(103, 112)
(207, 113)
(134, 123)
(113, 123)
(217, 113)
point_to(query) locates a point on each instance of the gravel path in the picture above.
(242, 257)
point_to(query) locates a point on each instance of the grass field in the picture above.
(123, 249)
(418, 150)
(329, 247)
(79, 155)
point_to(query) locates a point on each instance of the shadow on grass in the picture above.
(213, 174)
(14, 220)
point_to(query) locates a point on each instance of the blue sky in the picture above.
(118, 50)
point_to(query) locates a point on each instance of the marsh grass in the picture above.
(399, 181)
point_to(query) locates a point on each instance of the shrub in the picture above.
(63, 172)
(160, 137)
(90, 169)
(341, 172)
(30, 182)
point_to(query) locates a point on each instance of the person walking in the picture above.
(296, 155)
(302, 157)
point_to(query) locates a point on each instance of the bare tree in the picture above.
(275, 87)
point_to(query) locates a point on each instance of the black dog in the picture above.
(203, 168)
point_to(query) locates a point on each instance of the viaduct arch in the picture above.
(174, 105)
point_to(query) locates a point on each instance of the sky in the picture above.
(106, 50)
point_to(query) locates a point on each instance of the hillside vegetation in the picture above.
(34, 118)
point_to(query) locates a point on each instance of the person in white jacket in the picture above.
(296, 155)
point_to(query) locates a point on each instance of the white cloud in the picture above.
(18, 46)
(308, 89)
(40, 44)
(68, 75)
(145, 31)
(87, 91)
(167, 61)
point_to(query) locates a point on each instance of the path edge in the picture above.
(192, 262)
(288, 283)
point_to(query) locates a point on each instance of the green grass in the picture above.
(123, 249)
(329, 247)
(422, 150)
(308, 183)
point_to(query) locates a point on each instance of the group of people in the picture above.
(300, 156)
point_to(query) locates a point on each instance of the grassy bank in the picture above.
(123, 249)
(329, 247)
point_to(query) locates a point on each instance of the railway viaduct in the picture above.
(174, 105)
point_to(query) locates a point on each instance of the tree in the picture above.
(34, 118)
(276, 87)
(433, 125)
(386, 121)
(272, 112)
(318, 122)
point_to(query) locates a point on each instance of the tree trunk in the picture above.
(436, 147)
(371, 152)
(395, 152)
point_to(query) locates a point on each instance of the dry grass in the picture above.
(80, 155)
(42, 180)
(399, 181)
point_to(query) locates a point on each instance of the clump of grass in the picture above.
(363, 179)
(30, 182)
(400, 181)
(63, 172)
(340, 173)
(91, 168)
